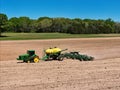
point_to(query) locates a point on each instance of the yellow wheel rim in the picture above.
(36, 59)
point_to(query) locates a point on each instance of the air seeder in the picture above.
(53, 54)
(57, 54)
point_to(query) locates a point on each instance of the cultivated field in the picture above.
(101, 74)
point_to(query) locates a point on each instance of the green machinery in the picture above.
(78, 56)
(53, 54)
(58, 55)
(29, 57)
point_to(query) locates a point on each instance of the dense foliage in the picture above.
(62, 25)
(3, 23)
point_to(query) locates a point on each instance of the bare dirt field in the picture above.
(101, 74)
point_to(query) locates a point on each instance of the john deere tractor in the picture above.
(30, 56)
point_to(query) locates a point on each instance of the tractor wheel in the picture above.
(60, 58)
(28, 61)
(36, 59)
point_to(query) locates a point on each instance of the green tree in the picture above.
(3, 22)
(43, 24)
(61, 25)
(117, 27)
(24, 23)
(33, 25)
(21, 24)
(15, 24)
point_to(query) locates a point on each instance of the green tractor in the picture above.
(29, 57)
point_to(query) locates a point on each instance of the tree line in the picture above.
(61, 25)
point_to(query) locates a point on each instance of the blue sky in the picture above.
(92, 9)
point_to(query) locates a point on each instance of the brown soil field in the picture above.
(101, 74)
